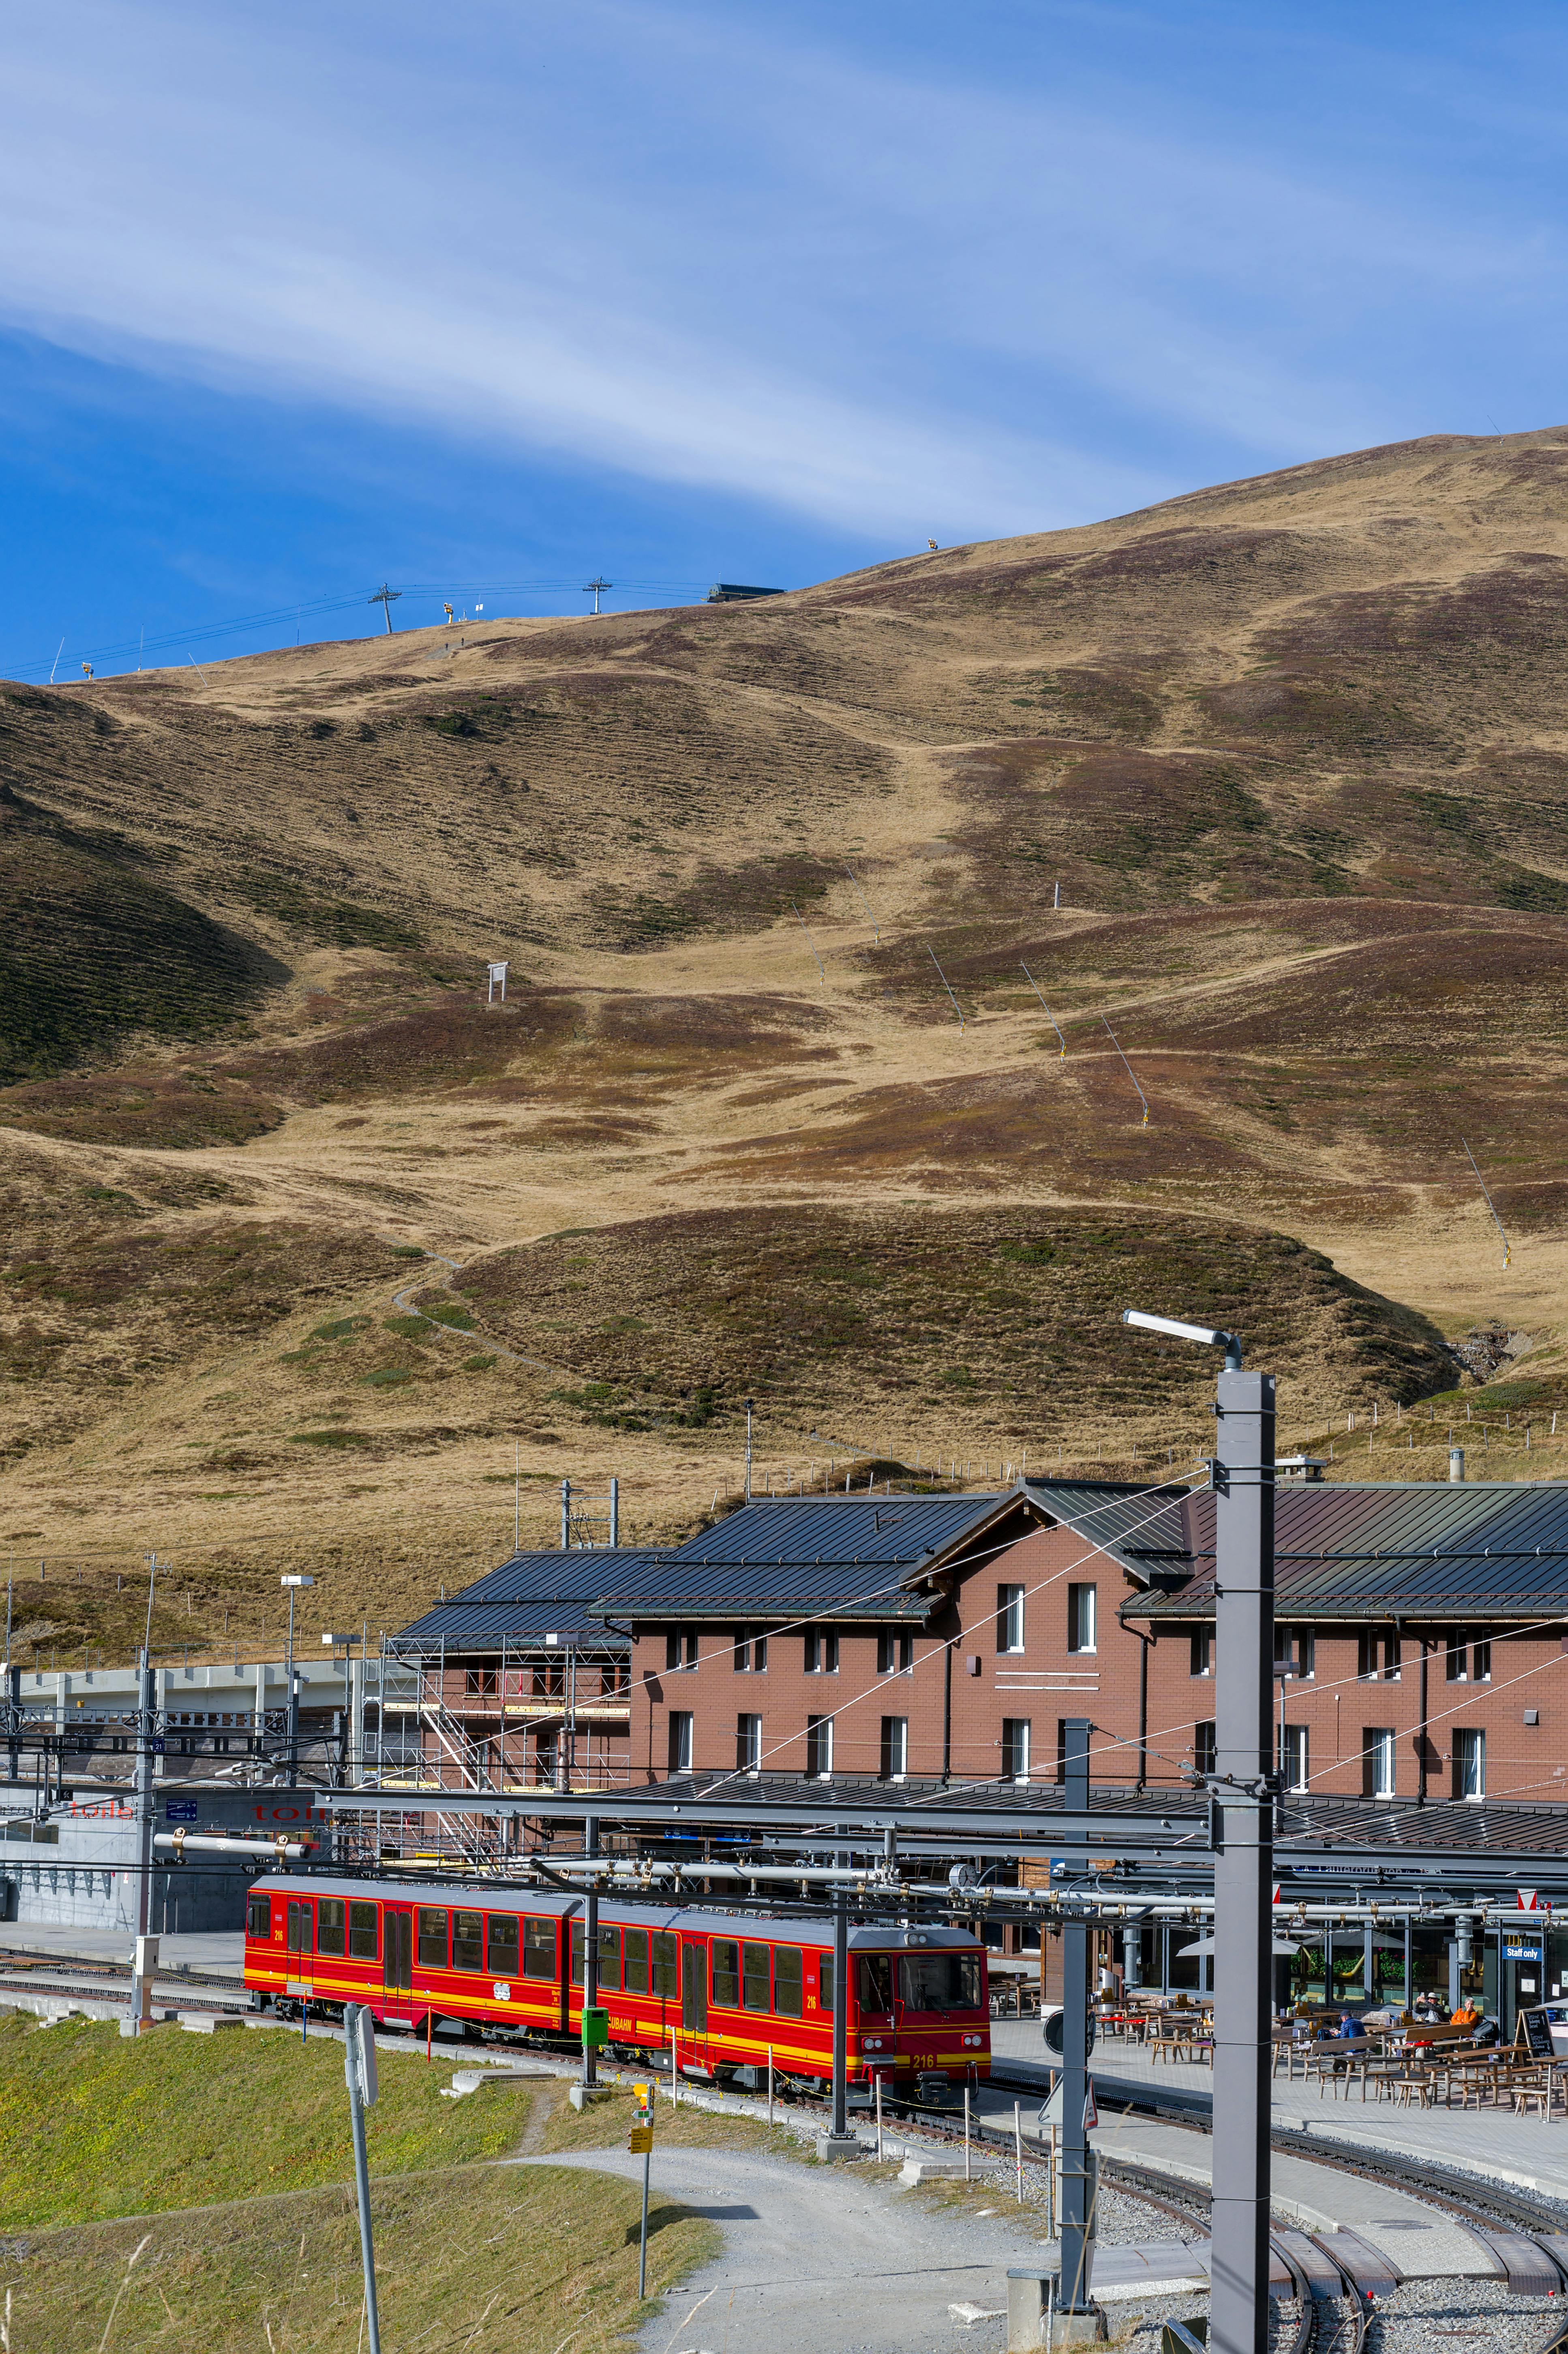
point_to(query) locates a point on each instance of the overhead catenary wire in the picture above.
(1050, 1017)
(1507, 1248)
(1131, 1074)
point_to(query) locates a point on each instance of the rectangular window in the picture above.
(301, 1927)
(1378, 1656)
(362, 1942)
(747, 1744)
(468, 1942)
(680, 1741)
(433, 1933)
(1294, 1647)
(873, 1984)
(750, 1651)
(680, 1651)
(786, 1975)
(539, 1949)
(939, 1983)
(894, 1763)
(727, 1974)
(1015, 1748)
(608, 1958)
(1293, 1755)
(1481, 1662)
(258, 1917)
(818, 1748)
(1010, 1618)
(1469, 1764)
(479, 1683)
(577, 1953)
(637, 1961)
(500, 1945)
(1377, 1762)
(332, 1926)
(895, 1653)
(824, 1982)
(821, 1654)
(1083, 1610)
(666, 1964)
(1203, 1746)
(1203, 1642)
(756, 1977)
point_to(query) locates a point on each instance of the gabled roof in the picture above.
(529, 1596)
(1424, 1549)
(850, 1557)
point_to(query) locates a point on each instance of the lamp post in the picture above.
(1242, 1790)
(293, 1584)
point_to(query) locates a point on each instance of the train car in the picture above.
(719, 1990)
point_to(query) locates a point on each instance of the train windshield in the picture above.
(939, 1982)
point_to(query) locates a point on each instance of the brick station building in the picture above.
(944, 1640)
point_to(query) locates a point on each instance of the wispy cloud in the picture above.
(692, 248)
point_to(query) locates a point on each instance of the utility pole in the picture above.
(293, 1584)
(595, 589)
(749, 1403)
(359, 2067)
(1074, 2298)
(145, 1951)
(385, 598)
(1242, 1797)
(590, 1953)
(839, 2142)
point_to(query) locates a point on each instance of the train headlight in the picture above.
(872, 2044)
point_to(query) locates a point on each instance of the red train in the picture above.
(722, 1990)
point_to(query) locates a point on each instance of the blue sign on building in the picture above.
(181, 1810)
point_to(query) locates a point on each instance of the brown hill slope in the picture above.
(1291, 748)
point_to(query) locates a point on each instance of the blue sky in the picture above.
(486, 299)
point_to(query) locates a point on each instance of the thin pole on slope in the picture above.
(56, 663)
(1507, 1248)
(1050, 1017)
(810, 943)
(1142, 1099)
(942, 977)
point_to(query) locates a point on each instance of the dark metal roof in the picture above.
(1427, 1549)
(462, 1625)
(579, 1575)
(843, 1556)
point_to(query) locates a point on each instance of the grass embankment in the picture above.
(107, 2148)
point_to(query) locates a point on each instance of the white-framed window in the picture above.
(1203, 1745)
(680, 1650)
(1377, 1657)
(894, 1748)
(680, 1741)
(1293, 1756)
(1083, 1611)
(1295, 1648)
(818, 1748)
(1203, 1642)
(750, 1651)
(1015, 1731)
(821, 1654)
(1470, 1763)
(1010, 1618)
(1470, 1658)
(1377, 1744)
(747, 1744)
(895, 1653)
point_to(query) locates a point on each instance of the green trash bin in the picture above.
(596, 2027)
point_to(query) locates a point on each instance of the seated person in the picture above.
(1467, 2015)
(1349, 2025)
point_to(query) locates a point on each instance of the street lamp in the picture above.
(293, 1584)
(1242, 1790)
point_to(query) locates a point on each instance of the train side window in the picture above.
(432, 1937)
(755, 1975)
(666, 1964)
(330, 1915)
(577, 1953)
(637, 1961)
(362, 1942)
(301, 1924)
(501, 1945)
(787, 1982)
(727, 1974)
(608, 1958)
(876, 1986)
(468, 1941)
(258, 1916)
(825, 1983)
(538, 1948)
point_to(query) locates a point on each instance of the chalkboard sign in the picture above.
(1537, 2033)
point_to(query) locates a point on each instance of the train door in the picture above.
(694, 2003)
(397, 1950)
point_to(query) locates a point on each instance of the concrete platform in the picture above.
(216, 1953)
(1488, 2145)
